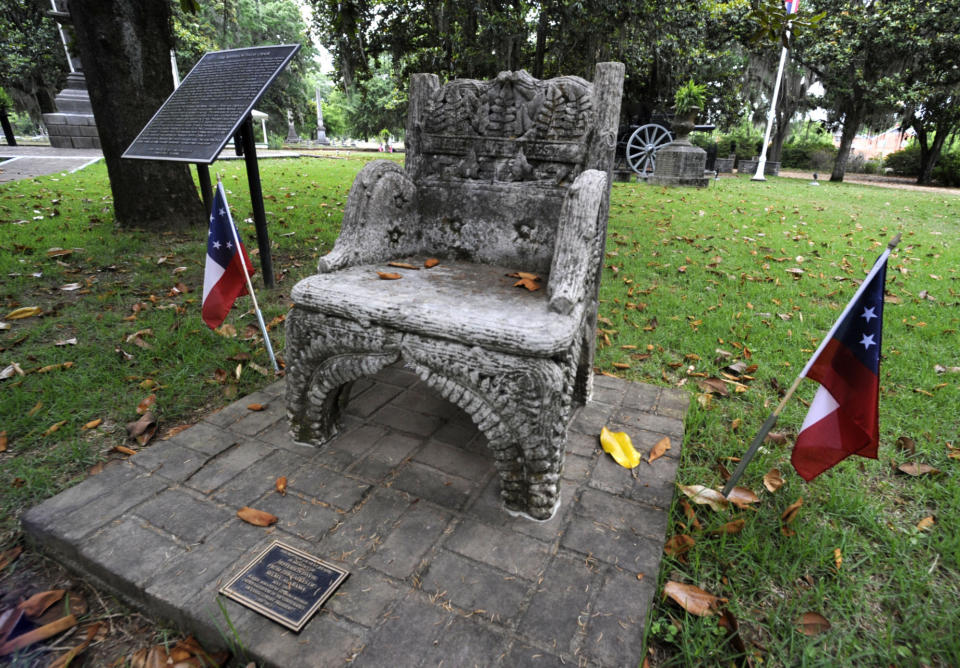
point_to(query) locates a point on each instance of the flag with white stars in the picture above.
(223, 276)
(843, 418)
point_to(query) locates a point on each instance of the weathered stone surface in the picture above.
(680, 163)
(502, 175)
(423, 563)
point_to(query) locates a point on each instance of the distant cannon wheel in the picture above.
(643, 145)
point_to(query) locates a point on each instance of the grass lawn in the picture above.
(694, 282)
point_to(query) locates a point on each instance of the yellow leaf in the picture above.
(659, 449)
(528, 283)
(619, 446)
(838, 558)
(36, 409)
(93, 424)
(925, 523)
(24, 312)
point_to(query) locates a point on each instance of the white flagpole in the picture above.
(762, 163)
(246, 275)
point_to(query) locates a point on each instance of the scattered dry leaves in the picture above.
(38, 634)
(259, 518)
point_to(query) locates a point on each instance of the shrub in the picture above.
(874, 166)
(947, 170)
(817, 152)
(905, 162)
(274, 141)
(744, 140)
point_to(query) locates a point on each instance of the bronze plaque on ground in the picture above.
(285, 584)
(205, 111)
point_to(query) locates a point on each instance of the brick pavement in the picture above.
(406, 499)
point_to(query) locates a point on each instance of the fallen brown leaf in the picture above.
(9, 619)
(431, 262)
(907, 444)
(54, 427)
(729, 623)
(7, 557)
(64, 660)
(705, 496)
(659, 449)
(38, 634)
(812, 623)
(694, 600)
(256, 517)
(714, 386)
(3, 441)
(917, 469)
(690, 514)
(403, 265)
(742, 497)
(838, 558)
(145, 404)
(388, 275)
(778, 437)
(731, 527)
(678, 544)
(524, 274)
(124, 450)
(38, 603)
(528, 283)
(143, 429)
(925, 523)
(788, 516)
(772, 480)
(281, 485)
(93, 424)
(256, 407)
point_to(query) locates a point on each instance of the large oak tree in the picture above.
(125, 49)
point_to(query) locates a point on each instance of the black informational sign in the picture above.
(285, 584)
(211, 103)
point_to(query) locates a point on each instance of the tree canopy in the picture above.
(32, 61)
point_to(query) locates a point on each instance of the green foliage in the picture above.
(274, 141)
(815, 152)
(744, 140)
(233, 24)
(32, 60)
(947, 170)
(689, 97)
(905, 162)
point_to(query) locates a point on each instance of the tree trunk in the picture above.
(541, 51)
(851, 124)
(929, 160)
(7, 129)
(124, 46)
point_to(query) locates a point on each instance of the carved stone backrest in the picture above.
(492, 160)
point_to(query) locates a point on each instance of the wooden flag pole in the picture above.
(772, 420)
(253, 296)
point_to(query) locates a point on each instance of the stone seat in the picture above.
(490, 311)
(500, 176)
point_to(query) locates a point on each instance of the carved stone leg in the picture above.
(522, 405)
(324, 356)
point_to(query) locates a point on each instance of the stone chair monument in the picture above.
(502, 176)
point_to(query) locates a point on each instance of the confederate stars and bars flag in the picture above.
(224, 278)
(843, 418)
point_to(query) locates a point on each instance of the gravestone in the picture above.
(680, 163)
(321, 131)
(292, 136)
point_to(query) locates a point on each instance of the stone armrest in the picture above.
(378, 221)
(577, 248)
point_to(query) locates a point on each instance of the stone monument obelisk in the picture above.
(73, 125)
(321, 131)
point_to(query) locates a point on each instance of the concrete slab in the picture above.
(406, 498)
